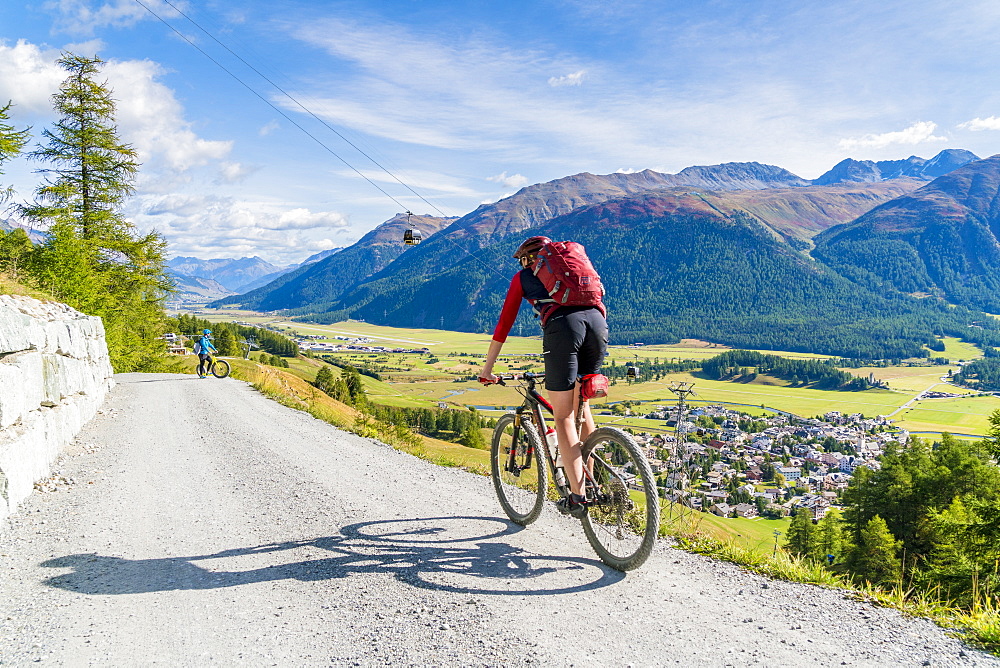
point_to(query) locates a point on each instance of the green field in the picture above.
(756, 534)
(957, 350)
(961, 416)
(420, 381)
(800, 401)
(912, 379)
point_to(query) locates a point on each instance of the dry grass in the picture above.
(10, 286)
(294, 392)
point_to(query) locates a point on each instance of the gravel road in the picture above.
(197, 523)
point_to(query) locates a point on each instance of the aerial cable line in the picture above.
(300, 127)
(304, 108)
(273, 106)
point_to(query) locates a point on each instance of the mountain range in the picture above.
(741, 253)
(211, 279)
(35, 236)
(941, 240)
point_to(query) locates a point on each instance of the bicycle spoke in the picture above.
(622, 521)
(519, 473)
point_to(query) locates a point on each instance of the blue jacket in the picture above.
(206, 346)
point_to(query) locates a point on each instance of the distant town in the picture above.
(736, 465)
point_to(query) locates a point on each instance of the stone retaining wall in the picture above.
(54, 375)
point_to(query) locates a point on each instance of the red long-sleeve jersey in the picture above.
(511, 305)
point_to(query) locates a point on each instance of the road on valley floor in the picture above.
(197, 523)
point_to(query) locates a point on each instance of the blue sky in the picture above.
(466, 102)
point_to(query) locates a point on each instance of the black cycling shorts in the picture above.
(574, 342)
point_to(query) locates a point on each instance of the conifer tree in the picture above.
(227, 345)
(801, 534)
(875, 557)
(94, 259)
(829, 537)
(324, 379)
(14, 245)
(92, 171)
(11, 143)
(355, 387)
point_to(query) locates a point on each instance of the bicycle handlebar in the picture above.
(501, 377)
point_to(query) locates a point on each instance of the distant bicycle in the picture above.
(623, 509)
(216, 367)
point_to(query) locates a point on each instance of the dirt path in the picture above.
(206, 525)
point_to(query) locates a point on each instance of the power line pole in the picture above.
(683, 389)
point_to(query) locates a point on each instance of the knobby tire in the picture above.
(220, 369)
(521, 496)
(623, 528)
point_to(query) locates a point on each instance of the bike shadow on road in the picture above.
(455, 554)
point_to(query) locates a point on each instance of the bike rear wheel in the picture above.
(520, 483)
(623, 520)
(220, 369)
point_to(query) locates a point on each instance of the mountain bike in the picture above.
(217, 367)
(623, 510)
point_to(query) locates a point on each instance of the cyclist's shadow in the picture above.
(423, 552)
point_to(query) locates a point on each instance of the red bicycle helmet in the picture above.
(531, 247)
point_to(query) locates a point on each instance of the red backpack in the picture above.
(569, 277)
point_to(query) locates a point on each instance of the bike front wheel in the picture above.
(220, 369)
(623, 516)
(518, 469)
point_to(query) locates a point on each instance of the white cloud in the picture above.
(29, 76)
(90, 48)
(917, 133)
(475, 95)
(304, 219)
(268, 128)
(977, 124)
(512, 181)
(82, 17)
(149, 116)
(574, 79)
(235, 172)
(214, 226)
(152, 119)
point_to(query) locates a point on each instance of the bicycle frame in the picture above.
(533, 404)
(619, 524)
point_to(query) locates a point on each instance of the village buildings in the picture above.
(735, 465)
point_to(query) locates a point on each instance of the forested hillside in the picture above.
(678, 266)
(319, 284)
(735, 266)
(941, 240)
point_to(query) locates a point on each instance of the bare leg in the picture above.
(564, 406)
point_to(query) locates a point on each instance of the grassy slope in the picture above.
(957, 350)
(754, 534)
(292, 390)
(9, 286)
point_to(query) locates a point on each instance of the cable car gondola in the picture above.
(412, 236)
(631, 372)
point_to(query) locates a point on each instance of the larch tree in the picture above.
(876, 556)
(801, 534)
(94, 259)
(15, 244)
(11, 143)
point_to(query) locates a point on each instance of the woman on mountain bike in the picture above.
(574, 344)
(204, 349)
